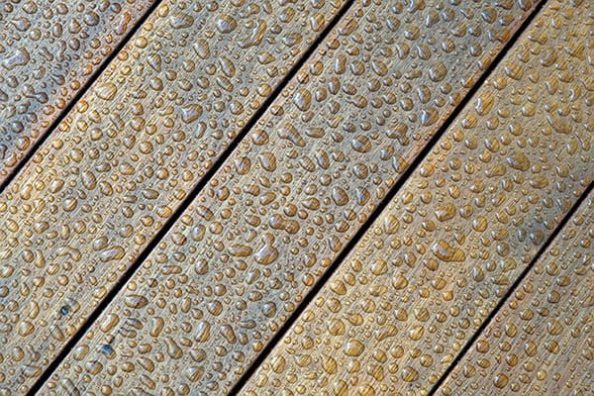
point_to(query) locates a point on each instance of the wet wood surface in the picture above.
(431, 269)
(102, 206)
(542, 341)
(121, 162)
(48, 52)
(284, 204)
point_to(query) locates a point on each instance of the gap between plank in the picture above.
(187, 200)
(106, 62)
(382, 205)
(510, 291)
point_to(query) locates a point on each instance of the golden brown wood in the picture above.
(145, 133)
(277, 214)
(542, 341)
(426, 275)
(48, 52)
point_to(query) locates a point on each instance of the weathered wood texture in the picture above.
(435, 264)
(542, 341)
(270, 222)
(48, 52)
(121, 162)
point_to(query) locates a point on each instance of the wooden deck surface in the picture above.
(285, 197)
(471, 218)
(283, 205)
(122, 161)
(541, 340)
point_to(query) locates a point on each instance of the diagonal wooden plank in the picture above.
(270, 222)
(436, 262)
(540, 342)
(48, 54)
(121, 163)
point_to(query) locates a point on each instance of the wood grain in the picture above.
(434, 265)
(48, 53)
(542, 341)
(123, 159)
(270, 222)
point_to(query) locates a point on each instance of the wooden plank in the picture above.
(541, 341)
(99, 189)
(270, 222)
(434, 265)
(48, 53)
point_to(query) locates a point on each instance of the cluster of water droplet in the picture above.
(48, 51)
(399, 309)
(270, 222)
(543, 338)
(118, 166)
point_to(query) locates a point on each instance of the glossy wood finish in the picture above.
(542, 341)
(257, 238)
(398, 310)
(123, 159)
(48, 52)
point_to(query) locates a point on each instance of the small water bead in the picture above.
(354, 348)
(65, 310)
(226, 24)
(107, 91)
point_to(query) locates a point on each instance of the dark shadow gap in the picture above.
(382, 205)
(120, 284)
(510, 291)
(75, 99)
